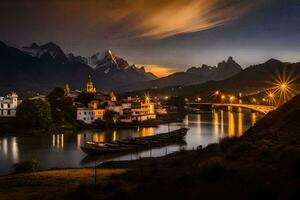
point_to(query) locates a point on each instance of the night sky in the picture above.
(175, 34)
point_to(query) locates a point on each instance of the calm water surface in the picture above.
(63, 150)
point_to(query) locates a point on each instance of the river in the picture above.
(63, 150)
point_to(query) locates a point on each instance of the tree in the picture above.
(111, 116)
(178, 102)
(62, 107)
(34, 114)
(85, 98)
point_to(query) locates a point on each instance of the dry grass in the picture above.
(51, 184)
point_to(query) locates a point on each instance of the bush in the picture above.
(34, 114)
(27, 166)
(111, 117)
(62, 108)
(212, 168)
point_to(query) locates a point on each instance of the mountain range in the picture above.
(251, 80)
(40, 68)
(192, 76)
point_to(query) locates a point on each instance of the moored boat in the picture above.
(133, 144)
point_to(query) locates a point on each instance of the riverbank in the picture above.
(9, 127)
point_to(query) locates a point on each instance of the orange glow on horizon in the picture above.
(158, 70)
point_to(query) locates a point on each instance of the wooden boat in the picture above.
(133, 144)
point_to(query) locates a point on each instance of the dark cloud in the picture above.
(164, 32)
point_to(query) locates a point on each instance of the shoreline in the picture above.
(13, 129)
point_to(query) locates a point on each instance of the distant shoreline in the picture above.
(11, 128)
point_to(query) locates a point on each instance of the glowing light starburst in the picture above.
(283, 88)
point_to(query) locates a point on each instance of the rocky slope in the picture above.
(40, 68)
(194, 75)
(251, 80)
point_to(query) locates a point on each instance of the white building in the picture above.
(89, 114)
(8, 105)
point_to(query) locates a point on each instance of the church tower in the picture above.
(90, 86)
(67, 90)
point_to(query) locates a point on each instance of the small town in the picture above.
(92, 106)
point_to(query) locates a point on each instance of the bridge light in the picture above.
(254, 100)
(271, 95)
(231, 98)
(199, 99)
(217, 93)
(283, 86)
(223, 97)
(240, 101)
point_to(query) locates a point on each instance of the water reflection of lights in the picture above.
(114, 135)
(231, 128)
(216, 123)
(79, 140)
(58, 140)
(253, 118)
(9, 148)
(99, 137)
(186, 121)
(198, 122)
(240, 123)
(147, 131)
(222, 123)
(15, 150)
(4, 147)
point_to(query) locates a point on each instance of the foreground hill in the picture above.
(41, 68)
(263, 163)
(251, 80)
(194, 75)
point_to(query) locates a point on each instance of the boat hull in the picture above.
(134, 144)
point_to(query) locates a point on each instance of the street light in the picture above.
(283, 86)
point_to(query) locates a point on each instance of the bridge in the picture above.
(258, 108)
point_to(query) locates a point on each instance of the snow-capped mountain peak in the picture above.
(49, 49)
(102, 59)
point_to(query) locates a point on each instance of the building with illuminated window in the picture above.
(91, 113)
(139, 110)
(8, 105)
